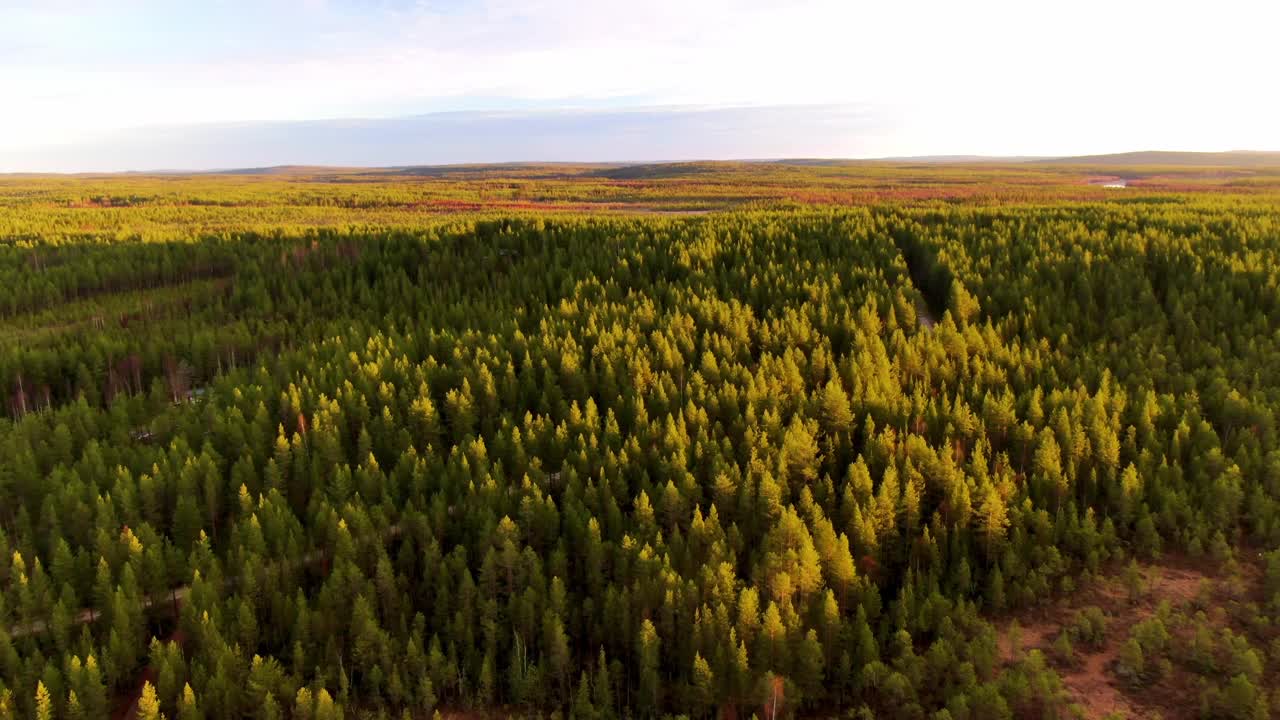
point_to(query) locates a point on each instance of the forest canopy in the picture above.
(786, 458)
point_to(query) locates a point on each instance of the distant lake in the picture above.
(1110, 182)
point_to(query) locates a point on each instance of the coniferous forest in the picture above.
(719, 442)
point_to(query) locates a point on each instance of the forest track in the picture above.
(175, 596)
(26, 326)
(926, 317)
(90, 615)
(89, 295)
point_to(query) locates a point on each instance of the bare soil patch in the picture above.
(1091, 680)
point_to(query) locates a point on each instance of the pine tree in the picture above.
(487, 689)
(837, 417)
(773, 640)
(327, 709)
(44, 704)
(1130, 663)
(187, 708)
(304, 705)
(800, 454)
(1048, 464)
(647, 656)
(149, 704)
(810, 667)
(995, 590)
(582, 707)
(426, 694)
(75, 711)
(602, 688)
(704, 687)
(557, 650)
(993, 518)
(93, 690)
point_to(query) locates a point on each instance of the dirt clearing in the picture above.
(1125, 597)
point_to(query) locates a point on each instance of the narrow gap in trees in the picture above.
(931, 279)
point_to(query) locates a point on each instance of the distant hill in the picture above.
(963, 159)
(655, 171)
(536, 169)
(273, 170)
(1239, 158)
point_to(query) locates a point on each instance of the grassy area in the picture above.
(59, 208)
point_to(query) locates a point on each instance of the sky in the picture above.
(147, 84)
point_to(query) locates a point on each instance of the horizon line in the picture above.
(931, 159)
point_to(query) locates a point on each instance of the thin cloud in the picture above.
(660, 133)
(994, 76)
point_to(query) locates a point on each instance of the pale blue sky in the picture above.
(94, 79)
